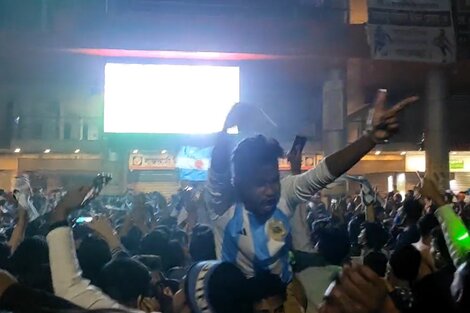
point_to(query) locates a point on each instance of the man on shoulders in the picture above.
(251, 209)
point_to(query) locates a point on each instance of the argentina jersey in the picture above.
(255, 246)
(260, 245)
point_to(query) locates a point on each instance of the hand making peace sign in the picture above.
(384, 123)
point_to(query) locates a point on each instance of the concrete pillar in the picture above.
(334, 120)
(355, 99)
(334, 112)
(436, 143)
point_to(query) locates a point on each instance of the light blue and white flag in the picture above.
(194, 163)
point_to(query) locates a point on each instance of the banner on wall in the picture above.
(418, 30)
(155, 162)
(149, 162)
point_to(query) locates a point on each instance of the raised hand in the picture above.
(248, 116)
(103, 227)
(429, 189)
(358, 290)
(234, 116)
(384, 123)
(71, 201)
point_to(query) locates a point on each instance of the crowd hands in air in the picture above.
(266, 245)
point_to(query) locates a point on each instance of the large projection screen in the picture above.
(168, 99)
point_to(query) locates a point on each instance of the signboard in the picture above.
(416, 161)
(145, 162)
(150, 162)
(456, 164)
(418, 30)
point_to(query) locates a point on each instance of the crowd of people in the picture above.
(246, 241)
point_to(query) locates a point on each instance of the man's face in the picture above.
(273, 304)
(261, 191)
(461, 197)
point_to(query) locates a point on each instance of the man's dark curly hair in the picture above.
(253, 152)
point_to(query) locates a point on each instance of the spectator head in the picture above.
(131, 241)
(268, 292)
(413, 210)
(425, 226)
(461, 196)
(154, 264)
(213, 286)
(202, 246)
(397, 198)
(182, 237)
(93, 254)
(377, 261)
(405, 263)
(256, 174)
(373, 236)
(409, 195)
(126, 281)
(448, 197)
(176, 256)
(155, 243)
(30, 263)
(333, 243)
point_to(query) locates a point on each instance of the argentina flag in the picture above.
(194, 163)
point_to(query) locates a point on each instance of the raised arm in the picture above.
(20, 228)
(65, 270)
(383, 125)
(219, 195)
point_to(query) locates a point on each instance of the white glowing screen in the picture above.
(168, 99)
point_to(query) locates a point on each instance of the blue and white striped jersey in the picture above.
(253, 245)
